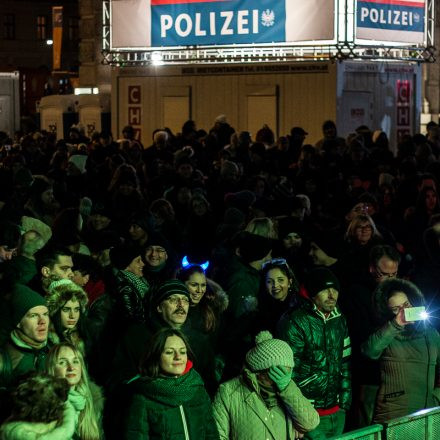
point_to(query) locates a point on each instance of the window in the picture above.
(9, 26)
(73, 29)
(41, 27)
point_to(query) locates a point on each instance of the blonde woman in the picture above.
(66, 361)
(67, 302)
(262, 226)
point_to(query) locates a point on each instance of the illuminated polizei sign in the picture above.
(400, 21)
(171, 23)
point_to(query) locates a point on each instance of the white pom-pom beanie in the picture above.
(269, 352)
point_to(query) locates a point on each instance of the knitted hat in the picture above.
(121, 256)
(253, 247)
(168, 288)
(320, 279)
(22, 300)
(269, 352)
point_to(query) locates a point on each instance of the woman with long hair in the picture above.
(67, 303)
(66, 361)
(40, 410)
(280, 288)
(208, 300)
(169, 399)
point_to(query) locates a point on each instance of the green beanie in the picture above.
(22, 300)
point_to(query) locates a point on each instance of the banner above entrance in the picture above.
(142, 24)
(398, 21)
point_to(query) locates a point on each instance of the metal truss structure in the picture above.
(346, 47)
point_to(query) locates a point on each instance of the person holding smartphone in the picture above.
(408, 350)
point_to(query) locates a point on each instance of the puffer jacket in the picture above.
(241, 413)
(321, 348)
(170, 408)
(409, 363)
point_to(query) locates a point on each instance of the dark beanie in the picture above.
(253, 247)
(168, 288)
(121, 256)
(22, 300)
(319, 279)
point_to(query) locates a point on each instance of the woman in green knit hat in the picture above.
(169, 399)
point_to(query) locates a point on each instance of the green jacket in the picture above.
(410, 369)
(242, 414)
(321, 349)
(170, 409)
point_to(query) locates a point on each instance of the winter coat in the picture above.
(18, 430)
(241, 413)
(18, 358)
(131, 302)
(321, 348)
(170, 408)
(408, 362)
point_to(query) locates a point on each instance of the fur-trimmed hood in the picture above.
(220, 298)
(59, 292)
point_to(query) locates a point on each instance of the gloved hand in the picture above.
(281, 376)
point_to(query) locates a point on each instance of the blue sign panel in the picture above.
(391, 20)
(177, 23)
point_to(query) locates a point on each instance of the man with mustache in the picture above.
(168, 308)
(317, 333)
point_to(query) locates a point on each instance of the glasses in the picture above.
(276, 262)
(174, 300)
(381, 274)
(395, 310)
(158, 250)
(364, 228)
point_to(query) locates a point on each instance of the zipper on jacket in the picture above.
(185, 426)
(308, 380)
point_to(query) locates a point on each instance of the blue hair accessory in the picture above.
(186, 264)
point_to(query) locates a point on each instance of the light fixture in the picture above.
(49, 42)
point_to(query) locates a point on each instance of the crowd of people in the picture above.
(216, 284)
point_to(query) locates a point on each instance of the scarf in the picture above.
(140, 283)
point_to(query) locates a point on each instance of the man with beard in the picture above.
(53, 264)
(27, 345)
(317, 333)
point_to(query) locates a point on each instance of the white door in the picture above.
(5, 114)
(356, 109)
(175, 112)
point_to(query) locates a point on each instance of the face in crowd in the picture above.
(384, 269)
(277, 284)
(70, 313)
(196, 285)
(174, 310)
(326, 300)
(156, 256)
(136, 266)
(61, 270)
(68, 366)
(35, 324)
(174, 356)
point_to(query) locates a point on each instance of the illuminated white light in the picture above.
(424, 315)
(95, 90)
(157, 59)
(82, 90)
(49, 42)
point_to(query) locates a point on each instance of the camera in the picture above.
(415, 314)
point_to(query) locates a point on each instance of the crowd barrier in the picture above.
(421, 425)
